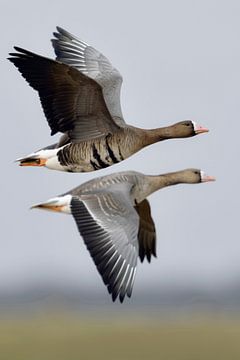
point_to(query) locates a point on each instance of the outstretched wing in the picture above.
(78, 54)
(147, 231)
(72, 102)
(109, 225)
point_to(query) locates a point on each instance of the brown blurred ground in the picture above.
(73, 336)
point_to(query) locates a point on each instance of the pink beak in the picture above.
(205, 178)
(200, 129)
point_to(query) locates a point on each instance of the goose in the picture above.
(113, 216)
(80, 96)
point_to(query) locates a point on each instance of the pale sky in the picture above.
(179, 60)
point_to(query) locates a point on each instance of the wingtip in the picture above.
(53, 132)
(20, 52)
(19, 49)
(114, 297)
(59, 28)
(11, 54)
(58, 34)
(63, 32)
(121, 298)
(129, 291)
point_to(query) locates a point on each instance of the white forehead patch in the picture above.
(202, 174)
(194, 125)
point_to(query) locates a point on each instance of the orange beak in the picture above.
(57, 208)
(57, 204)
(32, 162)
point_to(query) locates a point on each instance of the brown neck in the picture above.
(163, 133)
(160, 181)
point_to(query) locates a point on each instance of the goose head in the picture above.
(194, 176)
(188, 128)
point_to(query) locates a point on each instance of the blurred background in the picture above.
(179, 60)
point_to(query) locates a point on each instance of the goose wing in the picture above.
(72, 102)
(109, 224)
(146, 232)
(78, 54)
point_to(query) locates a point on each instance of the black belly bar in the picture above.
(111, 153)
(96, 161)
(99, 162)
(63, 157)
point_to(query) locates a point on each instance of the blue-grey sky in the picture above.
(179, 60)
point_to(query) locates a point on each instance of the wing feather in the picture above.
(72, 102)
(73, 51)
(146, 232)
(109, 226)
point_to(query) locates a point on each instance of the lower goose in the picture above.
(80, 96)
(114, 219)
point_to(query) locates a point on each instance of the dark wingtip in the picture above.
(58, 34)
(17, 48)
(53, 132)
(55, 34)
(21, 52)
(13, 54)
(61, 31)
(129, 291)
(121, 298)
(59, 28)
(141, 254)
(114, 296)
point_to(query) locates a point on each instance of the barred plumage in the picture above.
(80, 96)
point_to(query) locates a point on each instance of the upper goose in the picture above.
(114, 218)
(80, 96)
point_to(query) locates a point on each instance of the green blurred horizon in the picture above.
(68, 335)
(44, 321)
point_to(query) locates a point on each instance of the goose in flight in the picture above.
(80, 96)
(113, 216)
